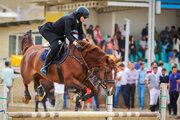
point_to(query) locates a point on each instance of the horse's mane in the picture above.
(88, 47)
(26, 41)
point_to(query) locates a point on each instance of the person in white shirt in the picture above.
(143, 46)
(160, 67)
(59, 96)
(123, 31)
(120, 85)
(7, 77)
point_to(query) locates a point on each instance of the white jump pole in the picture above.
(3, 101)
(109, 105)
(163, 97)
(80, 114)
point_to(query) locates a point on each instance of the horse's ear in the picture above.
(109, 61)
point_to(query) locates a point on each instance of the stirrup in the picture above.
(43, 71)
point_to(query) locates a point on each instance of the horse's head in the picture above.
(106, 75)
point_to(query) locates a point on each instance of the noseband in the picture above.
(106, 81)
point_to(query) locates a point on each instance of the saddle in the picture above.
(60, 56)
(58, 59)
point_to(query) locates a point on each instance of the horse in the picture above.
(76, 69)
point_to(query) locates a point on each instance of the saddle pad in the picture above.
(44, 54)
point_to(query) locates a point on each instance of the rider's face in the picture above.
(82, 19)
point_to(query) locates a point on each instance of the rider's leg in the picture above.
(50, 56)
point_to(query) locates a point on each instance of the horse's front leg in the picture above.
(75, 83)
(90, 85)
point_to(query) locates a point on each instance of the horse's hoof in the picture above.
(26, 99)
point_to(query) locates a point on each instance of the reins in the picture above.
(82, 63)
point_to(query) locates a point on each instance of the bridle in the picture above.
(88, 73)
(100, 82)
(104, 83)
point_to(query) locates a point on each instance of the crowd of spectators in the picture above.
(136, 75)
(167, 43)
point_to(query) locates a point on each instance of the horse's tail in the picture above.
(26, 41)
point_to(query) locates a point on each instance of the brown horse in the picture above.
(73, 71)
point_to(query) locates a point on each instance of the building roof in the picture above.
(17, 23)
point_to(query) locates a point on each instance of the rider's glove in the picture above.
(78, 46)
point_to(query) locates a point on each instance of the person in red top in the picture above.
(97, 36)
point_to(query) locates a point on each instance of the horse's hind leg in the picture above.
(37, 85)
(27, 96)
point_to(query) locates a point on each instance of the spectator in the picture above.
(152, 82)
(132, 47)
(43, 101)
(176, 43)
(132, 76)
(173, 32)
(95, 99)
(137, 65)
(145, 31)
(121, 44)
(98, 37)
(123, 31)
(90, 31)
(116, 53)
(108, 46)
(115, 42)
(164, 34)
(59, 96)
(90, 39)
(178, 31)
(165, 46)
(7, 77)
(66, 97)
(165, 79)
(117, 32)
(143, 46)
(141, 87)
(160, 67)
(158, 47)
(84, 30)
(174, 58)
(120, 85)
(174, 80)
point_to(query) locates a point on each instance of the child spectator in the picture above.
(152, 82)
(108, 46)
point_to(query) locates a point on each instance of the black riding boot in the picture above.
(48, 60)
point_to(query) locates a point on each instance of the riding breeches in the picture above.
(54, 47)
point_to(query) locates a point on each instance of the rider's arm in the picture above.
(68, 24)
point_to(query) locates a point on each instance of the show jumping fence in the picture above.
(4, 115)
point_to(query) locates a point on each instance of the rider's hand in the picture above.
(78, 46)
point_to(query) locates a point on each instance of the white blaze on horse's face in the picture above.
(113, 74)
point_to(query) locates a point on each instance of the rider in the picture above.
(56, 32)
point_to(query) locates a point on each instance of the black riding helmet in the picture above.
(83, 11)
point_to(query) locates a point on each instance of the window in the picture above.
(12, 45)
(38, 40)
(15, 43)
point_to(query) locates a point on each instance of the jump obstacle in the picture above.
(4, 115)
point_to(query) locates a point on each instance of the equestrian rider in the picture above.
(56, 32)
